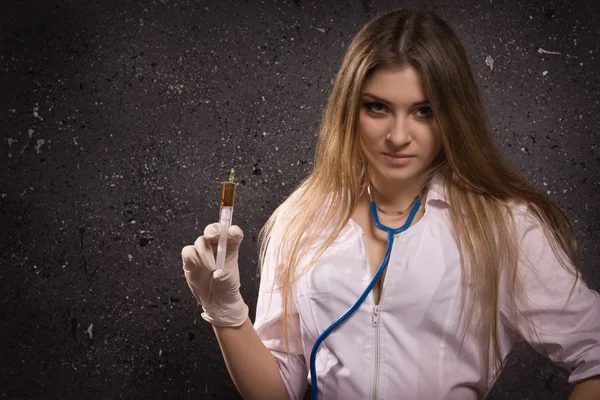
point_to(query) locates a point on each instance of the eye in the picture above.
(375, 107)
(425, 112)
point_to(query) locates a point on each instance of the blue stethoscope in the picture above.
(390, 235)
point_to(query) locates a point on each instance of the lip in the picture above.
(398, 159)
(398, 155)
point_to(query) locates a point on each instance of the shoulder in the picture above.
(538, 244)
(521, 212)
(526, 220)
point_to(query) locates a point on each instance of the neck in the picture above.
(395, 196)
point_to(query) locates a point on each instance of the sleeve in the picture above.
(557, 315)
(269, 328)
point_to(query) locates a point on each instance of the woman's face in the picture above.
(396, 125)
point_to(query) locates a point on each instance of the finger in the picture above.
(220, 275)
(212, 231)
(190, 258)
(223, 275)
(235, 237)
(193, 267)
(205, 252)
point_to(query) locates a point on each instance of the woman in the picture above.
(483, 260)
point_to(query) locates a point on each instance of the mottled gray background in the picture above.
(120, 119)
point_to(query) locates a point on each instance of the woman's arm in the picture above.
(588, 389)
(556, 313)
(257, 358)
(260, 364)
(253, 368)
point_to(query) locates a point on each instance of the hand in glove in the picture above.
(217, 290)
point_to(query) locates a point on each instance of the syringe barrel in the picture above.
(225, 217)
(227, 194)
(225, 222)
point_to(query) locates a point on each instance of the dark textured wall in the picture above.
(120, 119)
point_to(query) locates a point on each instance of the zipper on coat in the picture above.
(375, 323)
(377, 360)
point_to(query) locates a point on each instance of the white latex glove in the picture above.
(216, 290)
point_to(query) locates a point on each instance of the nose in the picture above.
(399, 133)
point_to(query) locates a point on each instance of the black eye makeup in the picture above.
(375, 107)
(428, 112)
(378, 108)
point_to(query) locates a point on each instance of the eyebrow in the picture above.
(419, 103)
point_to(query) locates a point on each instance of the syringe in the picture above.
(225, 216)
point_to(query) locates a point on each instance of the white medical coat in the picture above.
(409, 346)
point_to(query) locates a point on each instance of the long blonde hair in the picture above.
(479, 183)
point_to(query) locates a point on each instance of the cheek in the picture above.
(372, 130)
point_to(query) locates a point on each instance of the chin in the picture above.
(398, 174)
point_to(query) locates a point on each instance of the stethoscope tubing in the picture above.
(390, 236)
